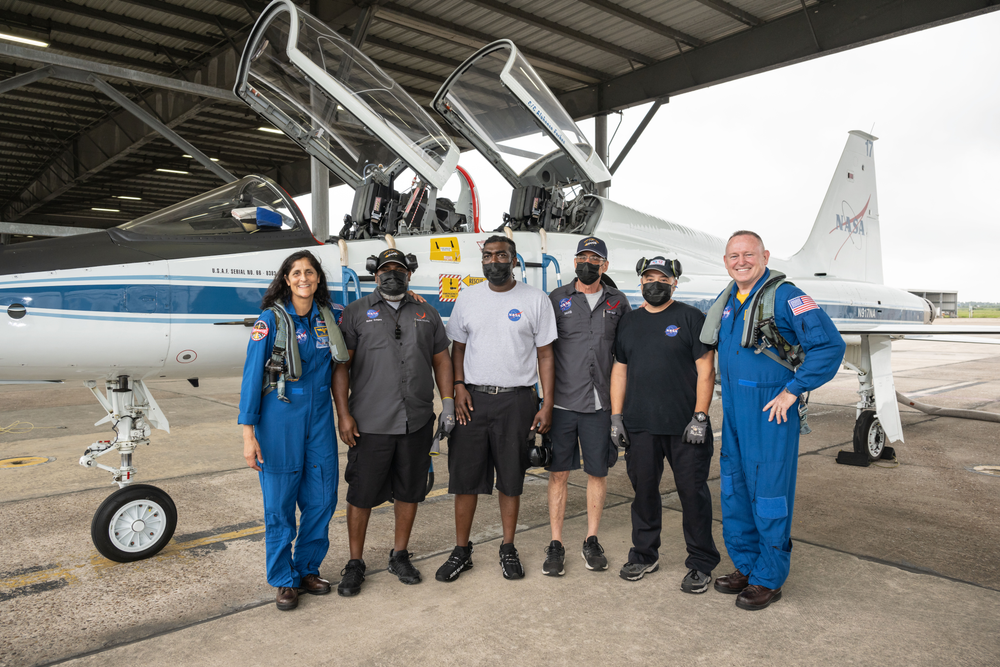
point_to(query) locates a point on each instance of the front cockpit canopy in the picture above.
(332, 100)
(497, 101)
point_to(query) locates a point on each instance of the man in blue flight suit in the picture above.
(293, 444)
(760, 429)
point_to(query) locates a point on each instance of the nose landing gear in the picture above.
(137, 520)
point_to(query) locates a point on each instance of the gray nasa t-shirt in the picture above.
(501, 331)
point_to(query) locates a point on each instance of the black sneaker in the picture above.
(593, 554)
(458, 562)
(510, 563)
(555, 556)
(696, 582)
(353, 576)
(400, 565)
(635, 571)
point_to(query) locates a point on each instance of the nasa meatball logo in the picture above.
(259, 330)
(372, 313)
(672, 330)
(565, 304)
(301, 335)
(727, 312)
(514, 315)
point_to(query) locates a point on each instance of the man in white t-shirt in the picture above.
(502, 333)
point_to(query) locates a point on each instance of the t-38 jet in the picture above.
(169, 295)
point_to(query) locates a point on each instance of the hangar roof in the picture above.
(67, 150)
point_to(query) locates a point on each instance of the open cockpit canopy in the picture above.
(497, 101)
(332, 100)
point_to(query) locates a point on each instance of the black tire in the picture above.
(136, 503)
(869, 437)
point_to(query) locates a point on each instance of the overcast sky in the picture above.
(759, 153)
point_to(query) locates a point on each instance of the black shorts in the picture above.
(494, 441)
(573, 432)
(383, 467)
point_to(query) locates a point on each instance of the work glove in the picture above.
(446, 422)
(619, 436)
(696, 429)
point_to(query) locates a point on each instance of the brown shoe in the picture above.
(732, 583)
(314, 585)
(288, 598)
(756, 597)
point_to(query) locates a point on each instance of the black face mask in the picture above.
(498, 273)
(588, 273)
(392, 284)
(656, 293)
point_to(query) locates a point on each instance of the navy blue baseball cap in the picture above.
(594, 245)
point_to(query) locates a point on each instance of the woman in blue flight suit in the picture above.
(293, 444)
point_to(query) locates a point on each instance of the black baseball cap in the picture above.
(594, 245)
(661, 264)
(390, 255)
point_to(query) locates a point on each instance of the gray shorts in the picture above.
(573, 432)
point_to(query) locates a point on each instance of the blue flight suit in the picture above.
(299, 446)
(759, 458)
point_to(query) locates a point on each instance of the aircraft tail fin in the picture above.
(845, 242)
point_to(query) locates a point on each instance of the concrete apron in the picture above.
(836, 609)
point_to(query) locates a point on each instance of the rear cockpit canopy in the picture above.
(497, 101)
(332, 100)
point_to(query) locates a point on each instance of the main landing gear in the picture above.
(137, 520)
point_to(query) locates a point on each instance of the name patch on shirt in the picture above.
(259, 330)
(514, 315)
(565, 304)
(801, 304)
(672, 330)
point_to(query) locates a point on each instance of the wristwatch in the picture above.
(701, 417)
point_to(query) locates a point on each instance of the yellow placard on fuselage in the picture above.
(445, 249)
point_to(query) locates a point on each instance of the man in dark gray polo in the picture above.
(587, 316)
(388, 421)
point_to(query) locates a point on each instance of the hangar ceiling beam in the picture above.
(119, 19)
(25, 79)
(840, 25)
(733, 12)
(408, 50)
(48, 25)
(416, 21)
(536, 21)
(155, 123)
(635, 135)
(643, 22)
(113, 72)
(185, 12)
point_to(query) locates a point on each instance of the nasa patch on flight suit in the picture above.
(259, 331)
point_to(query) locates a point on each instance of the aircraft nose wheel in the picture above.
(869, 437)
(133, 523)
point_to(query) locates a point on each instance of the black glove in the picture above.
(697, 429)
(619, 436)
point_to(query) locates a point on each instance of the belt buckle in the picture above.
(493, 390)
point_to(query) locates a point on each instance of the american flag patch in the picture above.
(801, 304)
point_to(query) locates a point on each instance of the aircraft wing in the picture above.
(932, 332)
(903, 329)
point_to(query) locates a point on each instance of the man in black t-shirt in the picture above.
(661, 387)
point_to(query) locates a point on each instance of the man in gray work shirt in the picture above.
(587, 316)
(388, 422)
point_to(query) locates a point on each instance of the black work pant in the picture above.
(690, 465)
